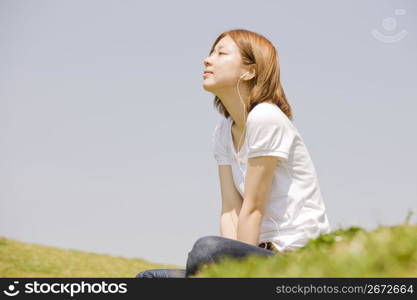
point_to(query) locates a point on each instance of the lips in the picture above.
(208, 72)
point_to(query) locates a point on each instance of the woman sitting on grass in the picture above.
(271, 199)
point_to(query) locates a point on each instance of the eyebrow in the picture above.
(220, 47)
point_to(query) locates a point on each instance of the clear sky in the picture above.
(106, 131)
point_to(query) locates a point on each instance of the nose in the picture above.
(206, 61)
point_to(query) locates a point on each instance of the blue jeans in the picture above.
(208, 249)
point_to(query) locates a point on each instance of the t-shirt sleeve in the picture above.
(268, 134)
(221, 154)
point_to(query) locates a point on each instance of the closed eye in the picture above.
(219, 53)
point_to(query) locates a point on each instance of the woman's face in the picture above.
(224, 63)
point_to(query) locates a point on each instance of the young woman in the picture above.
(271, 199)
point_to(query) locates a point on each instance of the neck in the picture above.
(231, 100)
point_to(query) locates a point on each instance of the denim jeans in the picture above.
(208, 249)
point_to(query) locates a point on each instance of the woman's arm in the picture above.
(231, 203)
(228, 224)
(258, 182)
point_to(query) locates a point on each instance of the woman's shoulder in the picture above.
(269, 117)
(267, 113)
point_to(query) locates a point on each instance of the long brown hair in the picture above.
(266, 85)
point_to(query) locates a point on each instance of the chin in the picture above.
(208, 87)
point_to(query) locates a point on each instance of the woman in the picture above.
(271, 199)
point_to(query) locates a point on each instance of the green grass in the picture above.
(388, 251)
(19, 259)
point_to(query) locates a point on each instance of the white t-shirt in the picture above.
(295, 211)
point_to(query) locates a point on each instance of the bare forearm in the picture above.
(248, 228)
(228, 224)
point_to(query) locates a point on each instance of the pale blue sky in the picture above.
(106, 131)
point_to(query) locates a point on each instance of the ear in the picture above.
(251, 74)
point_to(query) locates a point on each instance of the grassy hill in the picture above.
(19, 259)
(388, 251)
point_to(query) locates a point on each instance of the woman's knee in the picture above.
(207, 244)
(203, 251)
